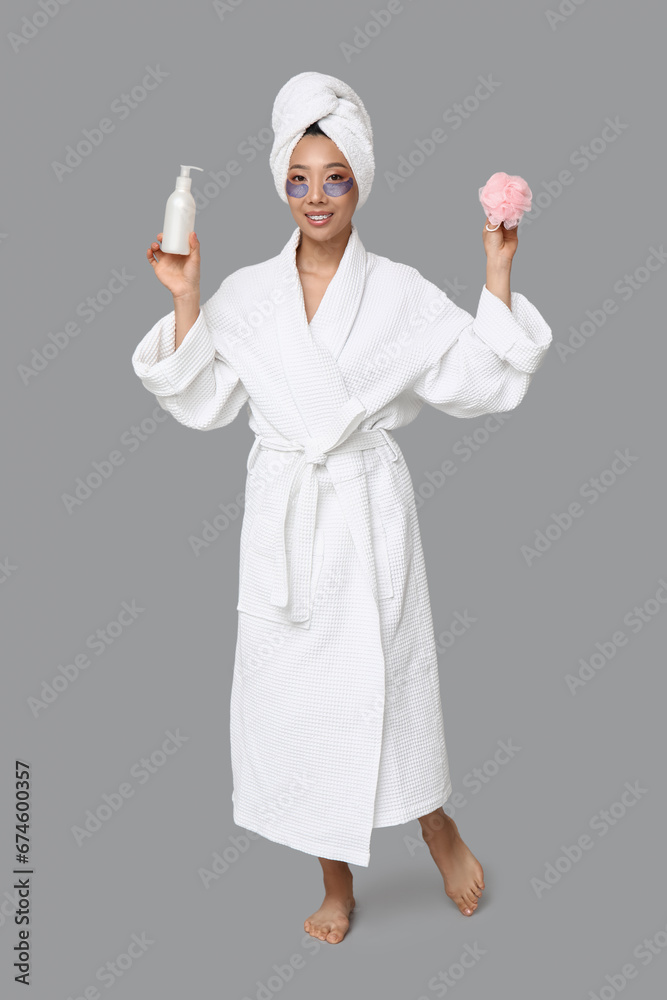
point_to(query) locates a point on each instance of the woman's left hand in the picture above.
(500, 246)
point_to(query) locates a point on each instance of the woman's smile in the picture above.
(318, 218)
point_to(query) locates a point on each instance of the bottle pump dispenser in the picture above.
(179, 216)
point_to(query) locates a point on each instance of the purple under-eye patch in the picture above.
(336, 190)
(296, 190)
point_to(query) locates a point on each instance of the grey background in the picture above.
(172, 668)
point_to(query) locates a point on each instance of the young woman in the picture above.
(336, 719)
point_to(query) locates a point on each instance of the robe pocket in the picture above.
(256, 581)
(382, 564)
(346, 466)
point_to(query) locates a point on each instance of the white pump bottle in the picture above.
(179, 216)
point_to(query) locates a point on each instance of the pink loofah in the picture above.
(504, 198)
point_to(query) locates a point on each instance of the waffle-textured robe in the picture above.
(336, 719)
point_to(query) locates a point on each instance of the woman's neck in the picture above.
(321, 256)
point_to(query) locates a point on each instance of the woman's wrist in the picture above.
(186, 311)
(193, 296)
(498, 281)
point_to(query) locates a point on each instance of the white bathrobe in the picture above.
(336, 719)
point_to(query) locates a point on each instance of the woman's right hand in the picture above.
(177, 272)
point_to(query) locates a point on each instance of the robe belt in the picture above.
(303, 477)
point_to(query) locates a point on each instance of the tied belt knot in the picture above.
(312, 451)
(299, 478)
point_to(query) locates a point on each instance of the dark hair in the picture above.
(314, 129)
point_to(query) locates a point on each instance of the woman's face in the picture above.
(320, 182)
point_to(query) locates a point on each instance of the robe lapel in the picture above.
(309, 353)
(337, 311)
(309, 356)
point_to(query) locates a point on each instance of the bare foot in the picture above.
(460, 869)
(330, 923)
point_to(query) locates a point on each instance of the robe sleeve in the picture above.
(482, 365)
(195, 383)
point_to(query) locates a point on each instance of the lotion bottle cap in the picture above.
(184, 182)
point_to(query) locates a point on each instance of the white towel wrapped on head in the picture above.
(317, 97)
